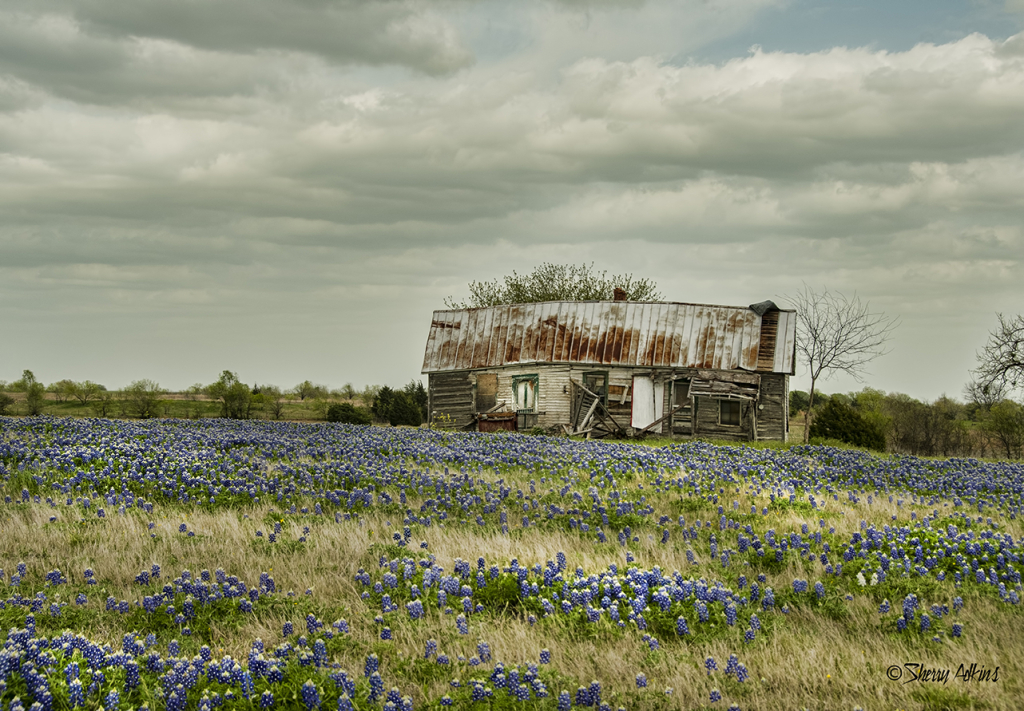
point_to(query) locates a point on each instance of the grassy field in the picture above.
(592, 551)
(177, 406)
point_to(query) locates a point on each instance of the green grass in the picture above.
(172, 407)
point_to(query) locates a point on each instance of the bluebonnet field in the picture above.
(221, 564)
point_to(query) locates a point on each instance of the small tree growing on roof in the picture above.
(555, 282)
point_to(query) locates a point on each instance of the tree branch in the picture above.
(837, 334)
(1001, 363)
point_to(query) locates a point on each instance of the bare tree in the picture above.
(274, 400)
(1001, 363)
(103, 403)
(193, 394)
(142, 397)
(306, 390)
(86, 391)
(836, 334)
(985, 394)
(368, 395)
(1005, 422)
(346, 392)
(63, 390)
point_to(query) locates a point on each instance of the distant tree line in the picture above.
(895, 422)
(989, 423)
(234, 400)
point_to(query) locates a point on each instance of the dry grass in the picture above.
(808, 660)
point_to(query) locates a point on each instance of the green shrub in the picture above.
(405, 411)
(798, 400)
(397, 407)
(35, 395)
(234, 395)
(348, 413)
(418, 394)
(839, 421)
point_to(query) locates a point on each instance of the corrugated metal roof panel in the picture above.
(605, 333)
(785, 344)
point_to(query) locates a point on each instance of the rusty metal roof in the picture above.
(611, 333)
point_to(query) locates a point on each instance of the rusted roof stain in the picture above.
(612, 333)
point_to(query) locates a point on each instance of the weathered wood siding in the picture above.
(620, 395)
(458, 395)
(486, 391)
(766, 347)
(708, 415)
(682, 421)
(773, 417)
(450, 399)
(552, 404)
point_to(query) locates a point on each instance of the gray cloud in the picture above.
(54, 54)
(162, 177)
(16, 95)
(402, 32)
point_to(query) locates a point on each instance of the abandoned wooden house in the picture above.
(614, 368)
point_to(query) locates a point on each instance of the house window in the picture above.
(680, 393)
(729, 412)
(597, 383)
(524, 391)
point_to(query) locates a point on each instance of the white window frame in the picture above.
(516, 380)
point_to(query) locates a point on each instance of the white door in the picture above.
(643, 402)
(526, 395)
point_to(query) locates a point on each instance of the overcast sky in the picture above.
(288, 188)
